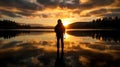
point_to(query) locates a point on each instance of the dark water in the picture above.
(82, 48)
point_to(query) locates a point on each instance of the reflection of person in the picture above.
(60, 30)
(60, 62)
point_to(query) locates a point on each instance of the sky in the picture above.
(47, 12)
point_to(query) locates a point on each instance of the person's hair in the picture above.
(59, 20)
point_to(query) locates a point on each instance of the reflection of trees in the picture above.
(7, 34)
(101, 35)
(13, 33)
(10, 34)
(107, 36)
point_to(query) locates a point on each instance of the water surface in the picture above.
(37, 48)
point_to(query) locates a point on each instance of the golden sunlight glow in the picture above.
(57, 12)
(84, 1)
(66, 22)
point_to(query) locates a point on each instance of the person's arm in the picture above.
(63, 30)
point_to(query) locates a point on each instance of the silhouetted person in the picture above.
(60, 30)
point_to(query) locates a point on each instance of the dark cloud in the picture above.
(0, 15)
(44, 15)
(20, 4)
(27, 8)
(96, 3)
(65, 3)
(24, 13)
(102, 3)
(117, 3)
(98, 12)
(15, 14)
(72, 4)
(76, 4)
(105, 12)
(112, 14)
(76, 11)
(115, 10)
(47, 2)
(8, 13)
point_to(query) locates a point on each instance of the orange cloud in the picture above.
(39, 9)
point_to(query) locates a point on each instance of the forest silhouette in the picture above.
(101, 23)
(9, 24)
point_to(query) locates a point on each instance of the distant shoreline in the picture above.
(52, 30)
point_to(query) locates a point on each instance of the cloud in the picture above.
(20, 4)
(72, 8)
(114, 10)
(8, 13)
(112, 14)
(98, 12)
(24, 13)
(78, 7)
(23, 7)
(105, 12)
(44, 15)
(0, 16)
(61, 3)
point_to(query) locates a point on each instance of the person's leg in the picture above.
(62, 45)
(62, 52)
(62, 42)
(58, 43)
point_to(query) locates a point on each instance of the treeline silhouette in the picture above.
(101, 23)
(106, 22)
(8, 24)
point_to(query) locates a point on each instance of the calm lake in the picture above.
(82, 48)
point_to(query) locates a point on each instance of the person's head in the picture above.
(59, 21)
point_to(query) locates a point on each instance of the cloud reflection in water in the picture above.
(41, 53)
